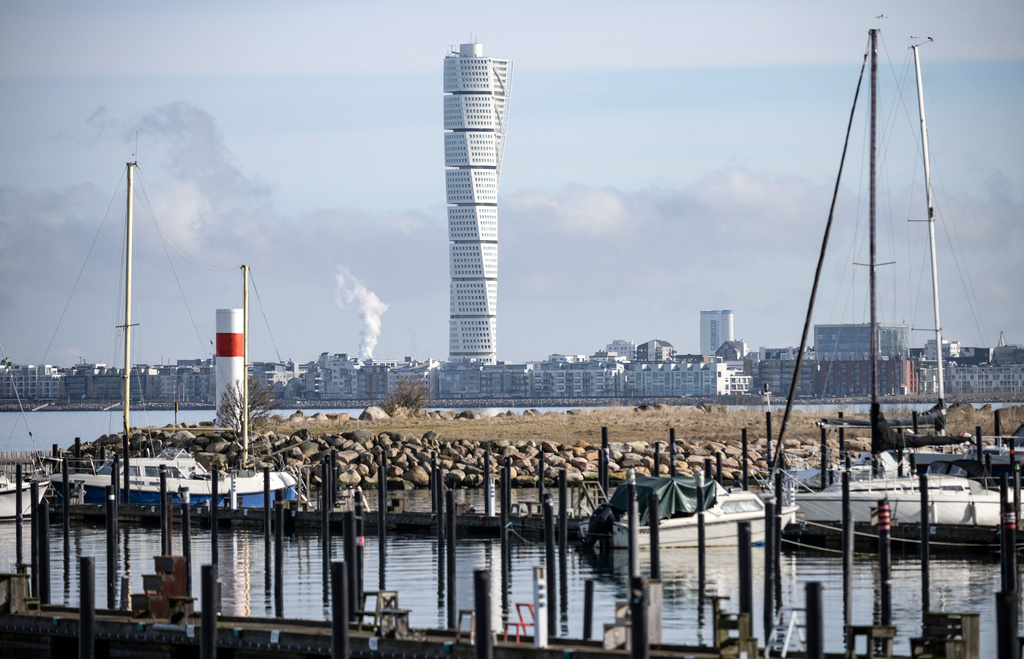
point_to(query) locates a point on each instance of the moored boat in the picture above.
(183, 472)
(678, 520)
(9, 497)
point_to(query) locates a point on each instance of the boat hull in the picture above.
(248, 490)
(947, 505)
(719, 530)
(9, 499)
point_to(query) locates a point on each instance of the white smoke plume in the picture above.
(351, 293)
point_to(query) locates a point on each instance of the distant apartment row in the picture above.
(838, 368)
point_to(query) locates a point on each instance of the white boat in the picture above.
(952, 500)
(183, 472)
(679, 523)
(9, 497)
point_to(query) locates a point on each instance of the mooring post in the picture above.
(339, 612)
(540, 609)
(488, 486)
(605, 456)
(979, 448)
(78, 448)
(768, 446)
(588, 609)
(116, 481)
(656, 471)
(505, 508)
(325, 523)
(349, 521)
(718, 467)
(279, 559)
(672, 452)
(482, 605)
(884, 562)
(1008, 538)
(654, 524)
(266, 506)
(450, 556)
(86, 608)
(550, 567)
(633, 519)
(357, 496)
(823, 467)
(34, 537)
(746, 463)
(847, 540)
(563, 512)
(769, 568)
(640, 638)
(815, 621)
(701, 545)
(125, 449)
(746, 570)
(164, 545)
(1015, 470)
(540, 474)
(842, 438)
(434, 504)
(186, 537)
(19, 519)
(111, 549)
(208, 630)
(780, 504)
(214, 505)
(334, 478)
(925, 532)
(382, 521)
(708, 470)
(1006, 625)
(44, 552)
(439, 496)
(65, 519)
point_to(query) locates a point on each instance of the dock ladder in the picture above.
(787, 621)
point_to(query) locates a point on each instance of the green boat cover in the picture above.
(677, 497)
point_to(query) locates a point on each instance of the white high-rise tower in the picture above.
(476, 101)
(715, 329)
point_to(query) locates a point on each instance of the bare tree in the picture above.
(262, 402)
(411, 393)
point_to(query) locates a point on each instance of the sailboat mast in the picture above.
(245, 366)
(126, 377)
(873, 262)
(931, 230)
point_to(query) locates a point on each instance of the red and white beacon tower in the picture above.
(230, 361)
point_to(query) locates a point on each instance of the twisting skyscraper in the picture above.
(476, 102)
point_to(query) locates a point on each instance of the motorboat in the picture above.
(183, 472)
(952, 499)
(678, 519)
(9, 497)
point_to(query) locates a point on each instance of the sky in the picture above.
(662, 158)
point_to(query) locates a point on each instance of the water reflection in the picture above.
(415, 566)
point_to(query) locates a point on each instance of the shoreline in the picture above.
(525, 403)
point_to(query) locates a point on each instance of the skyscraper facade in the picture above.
(715, 329)
(476, 102)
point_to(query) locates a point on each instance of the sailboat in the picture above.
(141, 476)
(955, 500)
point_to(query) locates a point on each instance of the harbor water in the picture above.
(961, 584)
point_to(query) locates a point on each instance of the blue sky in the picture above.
(662, 158)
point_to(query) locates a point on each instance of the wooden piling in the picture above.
(43, 522)
(125, 449)
(186, 537)
(208, 629)
(654, 522)
(746, 462)
(925, 533)
(482, 606)
(672, 452)
(551, 569)
(815, 621)
(111, 549)
(279, 559)
(639, 635)
(450, 556)
(86, 608)
(884, 562)
(19, 519)
(746, 570)
(214, 505)
(339, 612)
(768, 619)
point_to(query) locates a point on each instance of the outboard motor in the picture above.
(601, 525)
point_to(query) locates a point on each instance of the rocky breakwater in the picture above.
(360, 451)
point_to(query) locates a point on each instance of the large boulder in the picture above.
(418, 476)
(211, 460)
(373, 413)
(473, 415)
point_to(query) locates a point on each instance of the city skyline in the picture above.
(663, 159)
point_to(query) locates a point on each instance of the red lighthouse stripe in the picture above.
(229, 345)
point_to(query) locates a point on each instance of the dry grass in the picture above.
(625, 424)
